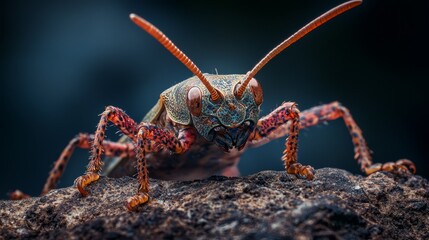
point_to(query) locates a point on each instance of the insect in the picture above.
(200, 127)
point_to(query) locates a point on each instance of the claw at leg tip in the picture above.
(136, 200)
(310, 175)
(408, 164)
(84, 180)
(81, 190)
(18, 195)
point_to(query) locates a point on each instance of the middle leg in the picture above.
(151, 138)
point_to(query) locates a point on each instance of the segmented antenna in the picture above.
(169, 45)
(296, 36)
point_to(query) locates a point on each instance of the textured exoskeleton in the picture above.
(201, 126)
(227, 123)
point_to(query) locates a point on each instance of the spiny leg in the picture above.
(334, 111)
(83, 141)
(328, 112)
(287, 112)
(151, 138)
(127, 126)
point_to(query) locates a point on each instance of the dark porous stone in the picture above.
(266, 205)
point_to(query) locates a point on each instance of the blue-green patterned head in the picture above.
(228, 121)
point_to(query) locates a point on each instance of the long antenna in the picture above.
(296, 36)
(169, 45)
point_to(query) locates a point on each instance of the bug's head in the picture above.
(224, 108)
(229, 120)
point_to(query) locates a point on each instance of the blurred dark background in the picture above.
(62, 62)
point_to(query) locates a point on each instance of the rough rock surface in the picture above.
(271, 205)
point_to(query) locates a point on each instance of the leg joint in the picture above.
(293, 111)
(152, 139)
(82, 140)
(337, 107)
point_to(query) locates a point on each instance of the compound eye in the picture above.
(256, 89)
(195, 105)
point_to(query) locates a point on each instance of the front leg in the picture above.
(151, 138)
(287, 112)
(127, 126)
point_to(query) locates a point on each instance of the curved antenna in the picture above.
(296, 36)
(169, 45)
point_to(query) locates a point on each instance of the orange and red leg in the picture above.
(98, 147)
(151, 138)
(125, 124)
(286, 113)
(83, 141)
(334, 111)
(148, 138)
(281, 122)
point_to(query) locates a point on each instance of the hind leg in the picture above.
(277, 124)
(335, 110)
(83, 141)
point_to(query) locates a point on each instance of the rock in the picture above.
(269, 204)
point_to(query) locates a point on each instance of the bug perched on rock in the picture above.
(201, 126)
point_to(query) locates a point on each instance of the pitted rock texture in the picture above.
(266, 205)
